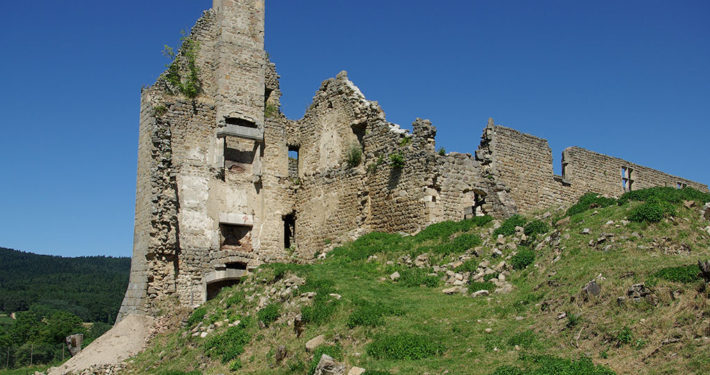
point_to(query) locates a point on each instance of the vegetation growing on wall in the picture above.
(354, 156)
(183, 74)
(397, 160)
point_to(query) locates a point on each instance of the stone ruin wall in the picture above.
(590, 171)
(523, 163)
(205, 201)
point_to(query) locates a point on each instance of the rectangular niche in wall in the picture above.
(235, 237)
(239, 155)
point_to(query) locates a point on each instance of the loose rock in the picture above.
(315, 342)
(328, 366)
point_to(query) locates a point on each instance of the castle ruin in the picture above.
(226, 182)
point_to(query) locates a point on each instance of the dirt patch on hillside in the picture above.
(125, 339)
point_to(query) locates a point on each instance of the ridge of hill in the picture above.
(607, 286)
(90, 287)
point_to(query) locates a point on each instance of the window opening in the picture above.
(289, 230)
(235, 237)
(627, 178)
(293, 161)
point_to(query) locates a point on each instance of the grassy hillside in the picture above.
(606, 287)
(89, 287)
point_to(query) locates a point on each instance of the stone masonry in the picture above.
(217, 193)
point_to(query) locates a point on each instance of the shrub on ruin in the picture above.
(442, 151)
(397, 160)
(536, 227)
(160, 110)
(269, 314)
(682, 274)
(189, 84)
(589, 201)
(523, 258)
(270, 110)
(229, 344)
(354, 156)
(649, 212)
(508, 227)
(404, 346)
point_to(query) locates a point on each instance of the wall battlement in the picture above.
(225, 182)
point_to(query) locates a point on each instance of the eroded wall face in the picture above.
(591, 171)
(240, 60)
(135, 298)
(523, 163)
(333, 200)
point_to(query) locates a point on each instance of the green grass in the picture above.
(269, 314)
(410, 326)
(589, 201)
(682, 274)
(229, 344)
(508, 227)
(404, 346)
(523, 258)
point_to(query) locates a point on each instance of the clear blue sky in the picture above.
(626, 78)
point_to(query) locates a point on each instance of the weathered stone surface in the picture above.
(480, 293)
(74, 343)
(452, 290)
(281, 353)
(591, 289)
(356, 371)
(705, 270)
(328, 366)
(639, 292)
(394, 276)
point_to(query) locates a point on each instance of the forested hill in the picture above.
(90, 287)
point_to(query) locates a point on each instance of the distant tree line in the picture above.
(91, 288)
(54, 297)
